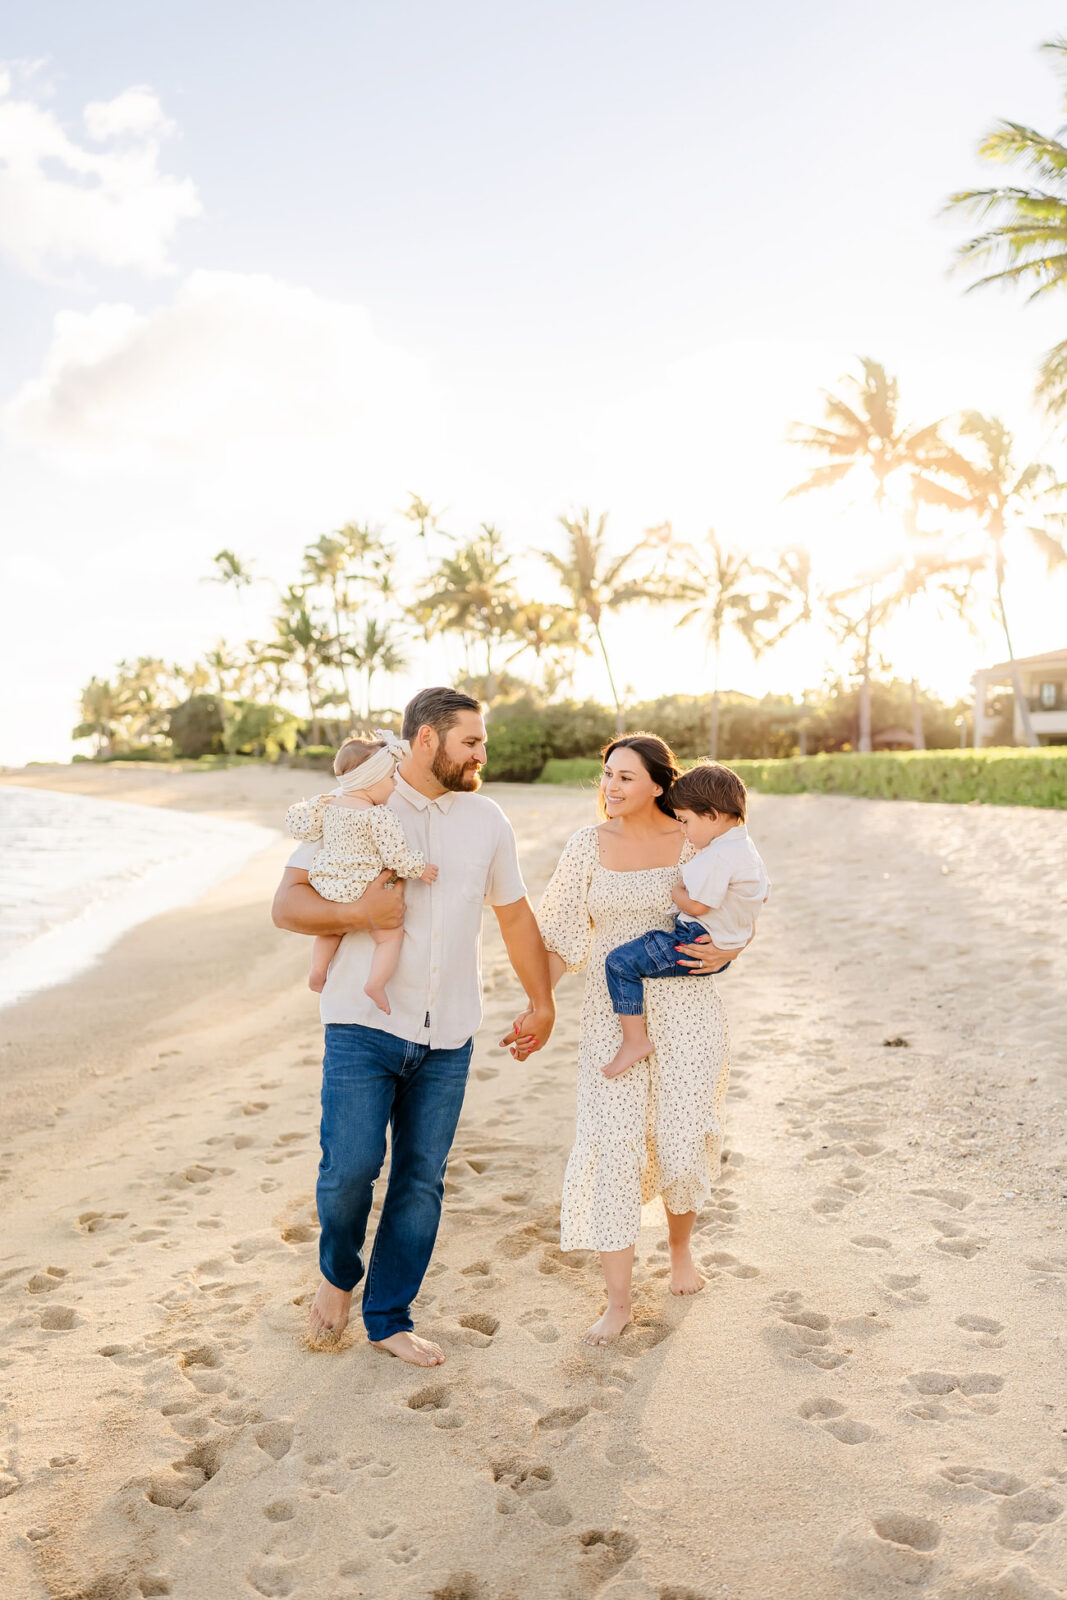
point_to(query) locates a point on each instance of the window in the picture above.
(1049, 696)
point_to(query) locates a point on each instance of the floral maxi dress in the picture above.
(655, 1129)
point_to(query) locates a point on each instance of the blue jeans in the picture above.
(651, 956)
(372, 1081)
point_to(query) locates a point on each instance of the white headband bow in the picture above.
(382, 764)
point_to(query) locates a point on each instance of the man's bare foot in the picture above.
(317, 980)
(379, 998)
(329, 1314)
(629, 1054)
(685, 1279)
(409, 1347)
(606, 1329)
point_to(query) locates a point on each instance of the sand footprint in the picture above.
(896, 1546)
(538, 1325)
(1022, 1518)
(435, 1401)
(479, 1328)
(985, 1329)
(833, 1418)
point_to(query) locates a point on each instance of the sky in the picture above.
(266, 270)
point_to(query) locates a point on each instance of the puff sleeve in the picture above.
(304, 819)
(563, 916)
(393, 848)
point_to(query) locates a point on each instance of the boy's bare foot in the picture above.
(379, 998)
(685, 1279)
(606, 1329)
(329, 1314)
(316, 981)
(409, 1347)
(629, 1054)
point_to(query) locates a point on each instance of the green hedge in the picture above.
(1006, 777)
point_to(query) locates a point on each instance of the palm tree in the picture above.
(594, 582)
(231, 570)
(375, 649)
(865, 439)
(730, 592)
(104, 708)
(327, 563)
(301, 640)
(472, 594)
(1026, 241)
(982, 479)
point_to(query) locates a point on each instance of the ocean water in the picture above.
(76, 873)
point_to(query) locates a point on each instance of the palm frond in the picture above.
(821, 478)
(1014, 141)
(1054, 550)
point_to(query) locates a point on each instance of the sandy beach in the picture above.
(869, 1399)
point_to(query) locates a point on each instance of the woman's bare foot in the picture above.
(409, 1347)
(329, 1314)
(629, 1054)
(685, 1279)
(606, 1329)
(379, 998)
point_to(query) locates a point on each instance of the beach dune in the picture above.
(867, 1400)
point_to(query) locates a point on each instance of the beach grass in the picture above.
(1001, 777)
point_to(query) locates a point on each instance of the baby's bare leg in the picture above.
(322, 953)
(387, 944)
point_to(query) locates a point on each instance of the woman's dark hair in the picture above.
(658, 760)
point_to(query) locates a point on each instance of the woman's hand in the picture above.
(530, 1031)
(703, 956)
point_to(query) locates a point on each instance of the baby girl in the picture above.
(360, 838)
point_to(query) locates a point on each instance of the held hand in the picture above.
(430, 875)
(703, 956)
(382, 902)
(531, 1030)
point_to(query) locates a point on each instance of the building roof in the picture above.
(1051, 658)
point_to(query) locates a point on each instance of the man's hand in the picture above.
(530, 1030)
(299, 909)
(383, 902)
(703, 956)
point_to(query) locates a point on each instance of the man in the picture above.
(408, 1070)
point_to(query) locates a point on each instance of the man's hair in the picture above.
(439, 709)
(354, 752)
(710, 787)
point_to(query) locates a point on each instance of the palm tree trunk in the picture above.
(340, 655)
(620, 724)
(312, 707)
(918, 732)
(865, 683)
(1021, 702)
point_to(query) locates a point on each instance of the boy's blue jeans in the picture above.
(372, 1081)
(651, 956)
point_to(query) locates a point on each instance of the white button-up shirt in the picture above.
(435, 995)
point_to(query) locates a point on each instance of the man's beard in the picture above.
(457, 776)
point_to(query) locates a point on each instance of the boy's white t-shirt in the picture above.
(729, 878)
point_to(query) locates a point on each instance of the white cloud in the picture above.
(242, 382)
(135, 111)
(62, 202)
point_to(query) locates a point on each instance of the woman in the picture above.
(655, 1129)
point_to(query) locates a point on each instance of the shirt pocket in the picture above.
(472, 882)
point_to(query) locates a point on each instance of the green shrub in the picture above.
(257, 730)
(314, 757)
(517, 746)
(143, 752)
(1007, 777)
(197, 726)
(580, 769)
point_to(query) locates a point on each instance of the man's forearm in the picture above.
(526, 951)
(299, 909)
